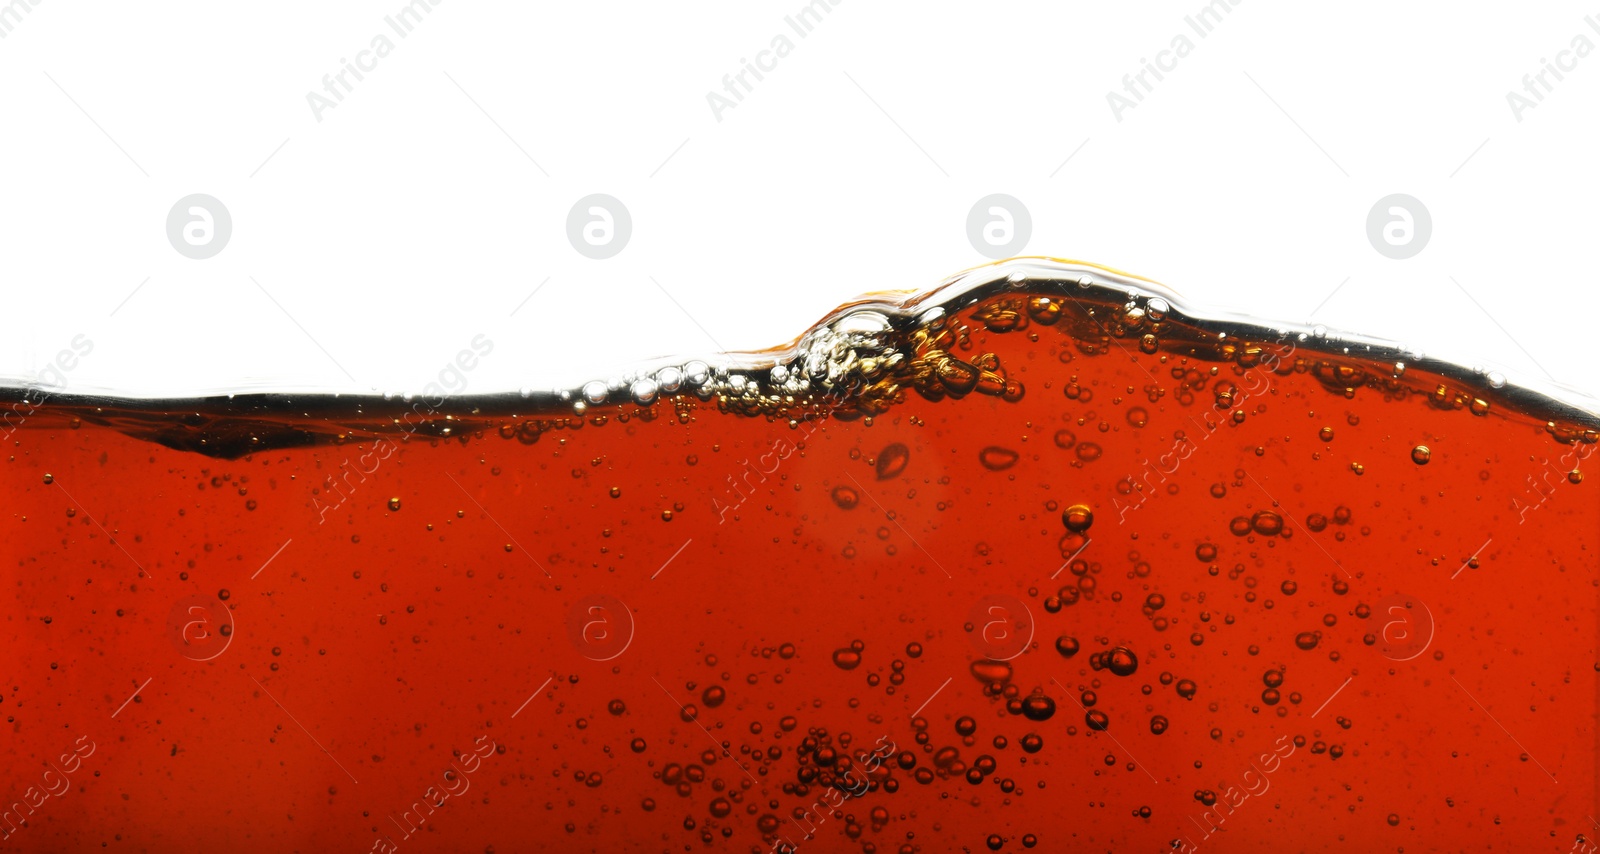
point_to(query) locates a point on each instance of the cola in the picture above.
(1041, 558)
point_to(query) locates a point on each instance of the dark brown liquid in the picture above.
(1047, 567)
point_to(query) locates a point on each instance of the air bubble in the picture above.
(698, 373)
(669, 379)
(1037, 707)
(996, 458)
(892, 461)
(988, 670)
(862, 323)
(1267, 523)
(1122, 661)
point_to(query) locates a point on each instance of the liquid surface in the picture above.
(1040, 559)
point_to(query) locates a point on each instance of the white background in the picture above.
(432, 201)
